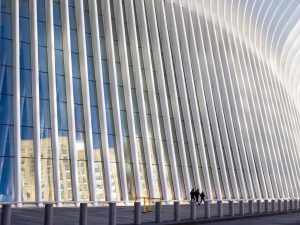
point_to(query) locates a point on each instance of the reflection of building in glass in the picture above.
(106, 100)
(65, 170)
(46, 168)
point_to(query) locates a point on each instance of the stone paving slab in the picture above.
(279, 219)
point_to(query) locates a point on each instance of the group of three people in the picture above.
(195, 194)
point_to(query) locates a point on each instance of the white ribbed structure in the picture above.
(157, 97)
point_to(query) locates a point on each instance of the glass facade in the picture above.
(26, 113)
(7, 189)
(189, 103)
(47, 182)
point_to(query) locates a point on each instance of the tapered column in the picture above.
(53, 97)
(138, 85)
(106, 9)
(35, 97)
(16, 100)
(185, 84)
(70, 99)
(86, 97)
(144, 29)
(93, 11)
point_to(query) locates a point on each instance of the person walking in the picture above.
(197, 193)
(192, 193)
(202, 196)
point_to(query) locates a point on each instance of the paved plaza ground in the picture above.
(99, 216)
(286, 219)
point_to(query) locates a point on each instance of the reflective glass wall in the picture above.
(6, 103)
(47, 181)
(26, 115)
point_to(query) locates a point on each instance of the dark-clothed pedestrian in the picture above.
(202, 196)
(192, 193)
(197, 193)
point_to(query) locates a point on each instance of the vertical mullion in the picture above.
(86, 96)
(277, 140)
(35, 96)
(200, 95)
(291, 144)
(127, 85)
(53, 97)
(161, 20)
(231, 108)
(215, 107)
(170, 74)
(151, 88)
(208, 103)
(143, 31)
(101, 100)
(251, 119)
(69, 96)
(188, 105)
(282, 99)
(131, 24)
(243, 105)
(277, 104)
(263, 122)
(16, 100)
(190, 92)
(240, 123)
(113, 86)
(293, 124)
(127, 93)
(259, 126)
(222, 104)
